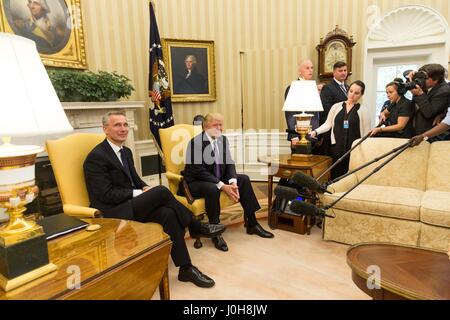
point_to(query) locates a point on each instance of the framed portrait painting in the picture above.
(191, 68)
(56, 26)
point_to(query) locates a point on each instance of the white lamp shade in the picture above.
(29, 105)
(303, 96)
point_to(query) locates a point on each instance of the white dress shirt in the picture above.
(447, 118)
(116, 149)
(214, 141)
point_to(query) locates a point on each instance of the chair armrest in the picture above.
(174, 181)
(173, 177)
(344, 184)
(79, 211)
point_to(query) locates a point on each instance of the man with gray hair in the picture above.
(305, 72)
(115, 189)
(191, 81)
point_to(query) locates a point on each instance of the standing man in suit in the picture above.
(432, 100)
(332, 93)
(210, 170)
(115, 189)
(305, 72)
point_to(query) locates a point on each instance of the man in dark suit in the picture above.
(432, 100)
(210, 170)
(115, 189)
(332, 93)
(305, 72)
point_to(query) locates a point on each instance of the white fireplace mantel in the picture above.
(87, 116)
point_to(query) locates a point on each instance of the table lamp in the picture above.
(303, 97)
(29, 107)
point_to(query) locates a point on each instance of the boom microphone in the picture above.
(301, 207)
(286, 193)
(309, 182)
(289, 193)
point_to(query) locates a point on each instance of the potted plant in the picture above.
(87, 86)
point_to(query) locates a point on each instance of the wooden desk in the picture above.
(122, 260)
(405, 272)
(284, 166)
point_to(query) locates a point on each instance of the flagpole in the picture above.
(160, 116)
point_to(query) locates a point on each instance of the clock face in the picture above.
(334, 52)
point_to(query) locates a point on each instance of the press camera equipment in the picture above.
(418, 79)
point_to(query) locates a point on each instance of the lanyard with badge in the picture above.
(346, 116)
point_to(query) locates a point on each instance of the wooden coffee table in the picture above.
(405, 272)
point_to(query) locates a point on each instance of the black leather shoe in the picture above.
(258, 230)
(208, 230)
(220, 243)
(192, 274)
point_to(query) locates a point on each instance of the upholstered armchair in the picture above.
(174, 142)
(67, 156)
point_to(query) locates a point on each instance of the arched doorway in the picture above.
(405, 38)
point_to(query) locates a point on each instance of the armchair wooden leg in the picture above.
(198, 243)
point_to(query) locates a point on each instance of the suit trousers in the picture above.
(209, 191)
(160, 206)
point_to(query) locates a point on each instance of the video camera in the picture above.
(418, 79)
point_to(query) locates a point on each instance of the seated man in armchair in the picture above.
(210, 170)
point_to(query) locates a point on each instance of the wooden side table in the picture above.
(122, 260)
(403, 272)
(285, 166)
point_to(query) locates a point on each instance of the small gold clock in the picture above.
(337, 46)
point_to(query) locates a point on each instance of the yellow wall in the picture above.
(273, 35)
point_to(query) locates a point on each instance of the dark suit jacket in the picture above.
(429, 105)
(195, 84)
(200, 164)
(107, 182)
(330, 95)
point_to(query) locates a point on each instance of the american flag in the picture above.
(156, 94)
(159, 91)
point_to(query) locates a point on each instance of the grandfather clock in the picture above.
(337, 46)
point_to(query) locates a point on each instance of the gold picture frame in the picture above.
(198, 85)
(56, 26)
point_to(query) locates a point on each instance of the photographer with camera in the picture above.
(431, 95)
(398, 115)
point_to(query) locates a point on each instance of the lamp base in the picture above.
(302, 152)
(11, 284)
(23, 257)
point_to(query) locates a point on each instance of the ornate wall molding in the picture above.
(408, 25)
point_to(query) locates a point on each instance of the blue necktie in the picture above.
(344, 89)
(126, 166)
(216, 160)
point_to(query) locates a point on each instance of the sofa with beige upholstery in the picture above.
(406, 202)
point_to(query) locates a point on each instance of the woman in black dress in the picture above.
(347, 122)
(398, 116)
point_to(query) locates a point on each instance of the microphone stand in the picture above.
(397, 152)
(347, 153)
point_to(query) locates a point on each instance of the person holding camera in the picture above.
(399, 114)
(431, 95)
